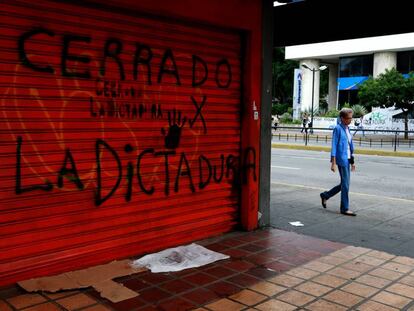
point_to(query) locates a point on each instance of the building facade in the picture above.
(350, 62)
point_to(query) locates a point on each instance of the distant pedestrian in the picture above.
(275, 122)
(310, 126)
(342, 156)
(305, 122)
(361, 125)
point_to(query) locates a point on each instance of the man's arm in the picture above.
(335, 138)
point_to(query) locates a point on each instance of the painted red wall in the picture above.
(237, 14)
(57, 88)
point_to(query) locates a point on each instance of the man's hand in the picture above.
(353, 168)
(333, 164)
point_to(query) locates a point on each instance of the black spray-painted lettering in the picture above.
(203, 183)
(232, 165)
(100, 144)
(187, 172)
(163, 67)
(249, 165)
(69, 173)
(167, 173)
(218, 179)
(223, 62)
(130, 174)
(116, 89)
(139, 177)
(91, 108)
(18, 187)
(156, 112)
(67, 39)
(22, 49)
(235, 167)
(198, 60)
(142, 110)
(139, 60)
(198, 113)
(116, 109)
(113, 49)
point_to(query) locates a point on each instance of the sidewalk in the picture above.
(358, 150)
(383, 223)
(370, 144)
(269, 269)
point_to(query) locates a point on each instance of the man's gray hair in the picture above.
(345, 112)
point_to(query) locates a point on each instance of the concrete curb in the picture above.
(357, 151)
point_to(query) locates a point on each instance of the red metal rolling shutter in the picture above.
(119, 135)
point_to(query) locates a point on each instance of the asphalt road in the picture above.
(374, 175)
(381, 193)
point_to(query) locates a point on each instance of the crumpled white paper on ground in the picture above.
(179, 258)
(297, 224)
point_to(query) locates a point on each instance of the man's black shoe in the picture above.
(323, 201)
(348, 213)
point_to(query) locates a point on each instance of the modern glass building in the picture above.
(350, 62)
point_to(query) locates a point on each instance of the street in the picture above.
(374, 175)
(381, 193)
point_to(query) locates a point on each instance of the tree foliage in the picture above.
(282, 74)
(279, 109)
(389, 89)
(359, 111)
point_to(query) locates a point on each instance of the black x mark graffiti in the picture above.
(198, 113)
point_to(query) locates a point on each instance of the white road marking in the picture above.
(356, 193)
(286, 167)
(298, 157)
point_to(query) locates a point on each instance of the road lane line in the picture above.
(357, 193)
(286, 167)
(298, 157)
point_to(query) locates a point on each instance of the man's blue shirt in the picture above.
(340, 145)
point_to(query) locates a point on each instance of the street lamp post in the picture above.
(313, 87)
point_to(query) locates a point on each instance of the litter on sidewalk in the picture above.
(296, 223)
(179, 258)
(98, 277)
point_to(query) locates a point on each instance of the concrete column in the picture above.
(333, 86)
(266, 111)
(384, 60)
(306, 102)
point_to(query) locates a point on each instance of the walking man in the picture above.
(305, 122)
(342, 156)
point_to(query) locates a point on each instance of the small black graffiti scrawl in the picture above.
(172, 138)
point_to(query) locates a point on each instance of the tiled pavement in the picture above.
(269, 270)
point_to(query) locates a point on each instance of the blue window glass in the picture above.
(356, 66)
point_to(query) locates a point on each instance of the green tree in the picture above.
(279, 108)
(332, 113)
(389, 89)
(282, 74)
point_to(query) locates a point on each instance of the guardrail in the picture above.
(376, 138)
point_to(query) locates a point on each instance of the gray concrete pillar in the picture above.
(333, 87)
(384, 60)
(307, 77)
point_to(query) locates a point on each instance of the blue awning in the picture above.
(350, 83)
